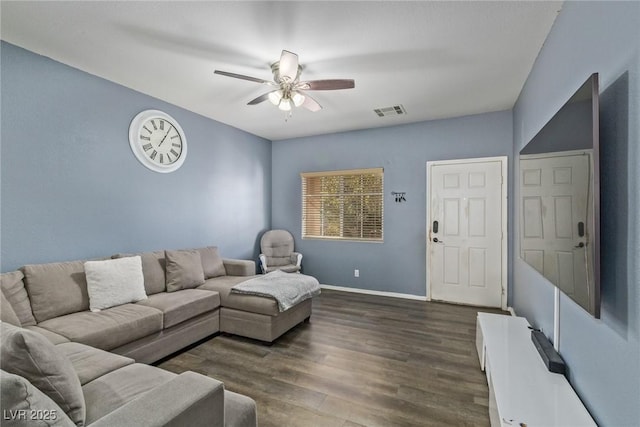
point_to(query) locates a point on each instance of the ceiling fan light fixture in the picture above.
(297, 99)
(275, 97)
(285, 104)
(287, 91)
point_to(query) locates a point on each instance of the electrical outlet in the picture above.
(356, 273)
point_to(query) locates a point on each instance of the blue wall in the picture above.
(398, 264)
(72, 188)
(603, 355)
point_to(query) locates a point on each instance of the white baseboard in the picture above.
(512, 311)
(378, 293)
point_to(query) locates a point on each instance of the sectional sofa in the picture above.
(72, 384)
(179, 297)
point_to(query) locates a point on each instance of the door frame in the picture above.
(505, 207)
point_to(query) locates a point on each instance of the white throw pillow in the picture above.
(114, 282)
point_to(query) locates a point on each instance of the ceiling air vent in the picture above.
(396, 110)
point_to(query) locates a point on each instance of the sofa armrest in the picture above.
(190, 399)
(239, 267)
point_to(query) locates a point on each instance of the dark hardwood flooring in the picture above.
(362, 360)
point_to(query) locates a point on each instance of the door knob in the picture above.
(435, 240)
(579, 245)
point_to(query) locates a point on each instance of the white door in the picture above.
(467, 225)
(553, 238)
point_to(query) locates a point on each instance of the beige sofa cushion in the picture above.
(114, 282)
(13, 288)
(6, 311)
(91, 363)
(182, 305)
(32, 356)
(251, 303)
(108, 328)
(56, 289)
(153, 269)
(27, 404)
(211, 262)
(51, 336)
(184, 269)
(111, 391)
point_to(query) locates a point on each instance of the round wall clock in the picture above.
(158, 141)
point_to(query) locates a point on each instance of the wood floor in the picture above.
(361, 361)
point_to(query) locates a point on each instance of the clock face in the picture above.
(157, 141)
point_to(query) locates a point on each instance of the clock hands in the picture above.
(165, 137)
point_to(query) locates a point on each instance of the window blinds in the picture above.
(343, 204)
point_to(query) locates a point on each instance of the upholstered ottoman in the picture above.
(255, 316)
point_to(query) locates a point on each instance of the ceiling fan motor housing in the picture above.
(275, 69)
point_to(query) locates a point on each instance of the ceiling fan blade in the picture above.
(260, 99)
(310, 103)
(242, 77)
(288, 65)
(328, 84)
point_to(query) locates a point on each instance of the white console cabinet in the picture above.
(522, 392)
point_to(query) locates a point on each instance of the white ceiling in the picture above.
(438, 59)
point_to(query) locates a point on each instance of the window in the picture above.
(343, 204)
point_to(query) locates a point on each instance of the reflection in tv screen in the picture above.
(559, 199)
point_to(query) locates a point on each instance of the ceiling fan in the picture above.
(289, 90)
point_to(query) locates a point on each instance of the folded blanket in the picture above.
(288, 289)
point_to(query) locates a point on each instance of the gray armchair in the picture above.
(277, 252)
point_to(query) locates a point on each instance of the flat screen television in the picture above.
(560, 199)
